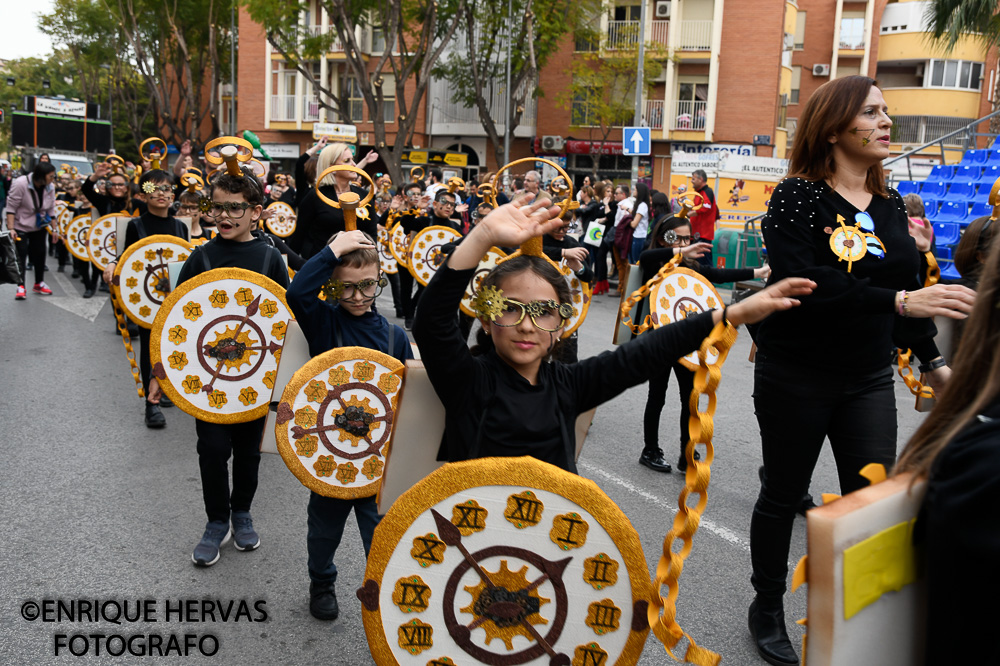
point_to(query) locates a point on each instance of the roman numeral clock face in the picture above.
(505, 561)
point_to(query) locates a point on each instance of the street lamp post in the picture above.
(111, 107)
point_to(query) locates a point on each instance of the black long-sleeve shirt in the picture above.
(317, 221)
(106, 205)
(848, 323)
(152, 225)
(553, 249)
(491, 410)
(255, 255)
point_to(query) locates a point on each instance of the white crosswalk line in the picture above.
(72, 301)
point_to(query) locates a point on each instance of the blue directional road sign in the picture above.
(636, 141)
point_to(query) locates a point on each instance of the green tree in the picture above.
(178, 50)
(477, 68)
(27, 75)
(415, 33)
(601, 94)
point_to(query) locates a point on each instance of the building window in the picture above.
(796, 84)
(782, 110)
(351, 92)
(692, 103)
(582, 113)
(587, 37)
(852, 33)
(389, 98)
(790, 126)
(800, 30)
(960, 74)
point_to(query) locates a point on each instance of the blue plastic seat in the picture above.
(967, 172)
(993, 155)
(961, 189)
(952, 211)
(946, 233)
(989, 174)
(975, 157)
(983, 191)
(905, 187)
(932, 189)
(949, 272)
(980, 209)
(931, 207)
(943, 253)
(942, 172)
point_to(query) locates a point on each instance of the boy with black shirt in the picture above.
(237, 202)
(352, 259)
(158, 186)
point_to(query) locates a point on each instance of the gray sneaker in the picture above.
(206, 553)
(244, 536)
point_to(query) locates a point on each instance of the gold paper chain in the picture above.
(642, 292)
(129, 352)
(701, 428)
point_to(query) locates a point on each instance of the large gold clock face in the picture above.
(282, 221)
(399, 245)
(385, 257)
(426, 256)
(505, 561)
(335, 418)
(683, 293)
(101, 241)
(142, 280)
(216, 341)
(76, 237)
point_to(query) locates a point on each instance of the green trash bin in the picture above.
(725, 252)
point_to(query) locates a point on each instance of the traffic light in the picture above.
(1, 116)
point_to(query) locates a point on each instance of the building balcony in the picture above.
(695, 36)
(624, 35)
(283, 108)
(689, 115)
(449, 116)
(310, 109)
(654, 114)
(919, 130)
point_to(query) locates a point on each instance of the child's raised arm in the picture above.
(507, 226)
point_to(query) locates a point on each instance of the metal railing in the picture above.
(624, 35)
(310, 109)
(963, 137)
(283, 107)
(689, 115)
(696, 36)
(654, 113)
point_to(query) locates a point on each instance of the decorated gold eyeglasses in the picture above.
(547, 315)
(235, 210)
(369, 288)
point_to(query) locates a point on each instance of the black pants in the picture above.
(62, 254)
(145, 369)
(31, 244)
(410, 298)
(393, 279)
(797, 408)
(89, 274)
(601, 262)
(327, 518)
(655, 400)
(216, 443)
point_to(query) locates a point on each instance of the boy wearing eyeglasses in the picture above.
(235, 206)
(349, 268)
(158, 187)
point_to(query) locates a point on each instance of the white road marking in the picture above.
(88, 308)
(706, 524)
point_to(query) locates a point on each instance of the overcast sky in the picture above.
(19, 33)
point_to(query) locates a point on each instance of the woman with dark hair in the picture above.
(823, 369)
(970, 255)
(31, 205)
(957, 449)
(672, 235)
(640, 221)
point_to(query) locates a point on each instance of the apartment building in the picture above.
(735, 75)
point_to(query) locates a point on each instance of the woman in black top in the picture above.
(317, 220)
(957, 449)
(823, 370)
(118, 198)
(672, 235)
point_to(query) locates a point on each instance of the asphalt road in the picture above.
(97, 507)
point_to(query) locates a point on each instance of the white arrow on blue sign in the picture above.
(636, 141)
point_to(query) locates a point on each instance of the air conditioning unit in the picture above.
(552, 143)
(663, 9)
(821, 70)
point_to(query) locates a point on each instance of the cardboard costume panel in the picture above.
(142, 280)
(216, 342)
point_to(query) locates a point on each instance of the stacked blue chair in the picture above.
(980, 209)
(967, 172)
(990, 173)
(953, 211)
(983, 191)
(994, 155)
(944, 253)
(933, 189)
(949, 272)
(946, 233)
(942, 172)
(931, 207)
(905, 187)
(961, 190)
(979, 157)
(996, 143)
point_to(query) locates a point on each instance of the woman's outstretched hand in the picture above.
(779, 296)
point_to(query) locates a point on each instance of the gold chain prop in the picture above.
(671, 564)
(642, 292)
(129, 352)
(916, 387)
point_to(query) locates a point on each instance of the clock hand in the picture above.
(453, 537)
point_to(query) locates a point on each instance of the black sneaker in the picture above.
(88, 293)
(682, 463)
(408, 323)
(653, 459)
(206, 553)
(323, 601)
(154, 417)
(244, 535)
